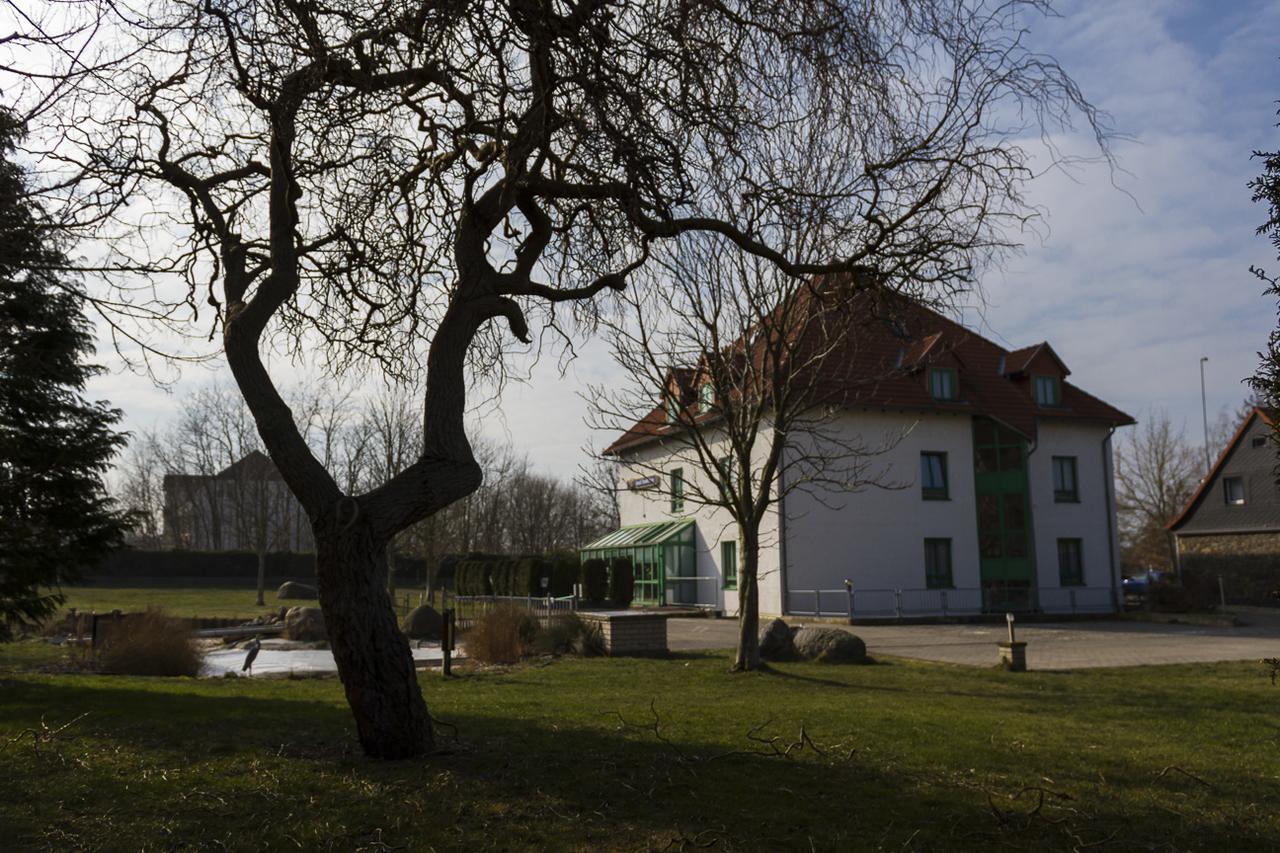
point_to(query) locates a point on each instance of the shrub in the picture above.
(151, 643)
(570, 634)
(499, 573)
(622, 582)
(563, 569)
(595, 579)
(502, 635)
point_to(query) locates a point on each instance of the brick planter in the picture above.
(630, 632)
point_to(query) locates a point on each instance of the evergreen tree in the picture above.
(55, 516)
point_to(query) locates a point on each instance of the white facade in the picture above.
(875, 537)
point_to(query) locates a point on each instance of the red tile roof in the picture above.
(882, 365)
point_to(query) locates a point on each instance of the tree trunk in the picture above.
(748, 657)
(373, 657)
(262, 577)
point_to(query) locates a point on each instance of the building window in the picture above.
(943, 383)
(1233, 490)
(1065, 489)
(706, 396)
(729, 563)
(1070, 567)
(673, 410)
(933, 476)
(677, 490)
(1259, 441)
(937, 564)
(1047, 391)
(726, 473)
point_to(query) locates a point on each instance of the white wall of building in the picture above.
(1091, 520)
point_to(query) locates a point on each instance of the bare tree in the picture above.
(1157, 469)
(743, 371)
(382, 178)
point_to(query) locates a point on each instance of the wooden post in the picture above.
(446, 647)
(1009, 618)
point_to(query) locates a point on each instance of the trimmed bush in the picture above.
(563, 570)
(622, 582)
(594, 579)
(502, 635)
(151, 643)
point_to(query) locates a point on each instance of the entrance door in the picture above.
(647, 570)
(1004, 517)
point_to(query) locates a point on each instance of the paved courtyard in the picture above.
(1050, 645)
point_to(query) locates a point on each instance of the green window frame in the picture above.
(1066, 484)
(944, 383)
(1047, 390)
(1070, 562)
(937, 564)
(933, 476)
(673, 410)
(706, 396)
(729, 563)
(677, 490)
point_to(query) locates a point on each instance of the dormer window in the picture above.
(943, 383)
(706, 396)
(1047, 390)
(673, 410)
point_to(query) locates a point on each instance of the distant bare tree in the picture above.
(747, 370)
(1157, 469)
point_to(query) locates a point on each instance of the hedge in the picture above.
(231, 565)
(622, 582)
(595, 579)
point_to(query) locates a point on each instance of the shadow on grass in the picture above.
(544, 782)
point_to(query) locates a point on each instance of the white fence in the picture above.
(853, 603)
(467, 608)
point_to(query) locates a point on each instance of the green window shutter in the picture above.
(1047, 390)
(933, 476)
(677, 490)
(729, 563)
(937, 564)
(1070, 563)
(943, 383)
(1065, 483)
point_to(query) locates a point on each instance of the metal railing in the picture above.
(468, 608)
(854, 603)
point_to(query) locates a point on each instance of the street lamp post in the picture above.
(1204, 411)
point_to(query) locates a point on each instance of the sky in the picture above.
(1133, 274)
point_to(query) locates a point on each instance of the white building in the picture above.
(997, 495)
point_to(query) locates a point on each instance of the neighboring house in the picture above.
(244, 507)
(998, 495)
(1231, 525)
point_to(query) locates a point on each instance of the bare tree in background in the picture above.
(746, 371)
(384, 178)
(1157, 469)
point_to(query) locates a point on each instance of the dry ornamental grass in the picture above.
(151, 643)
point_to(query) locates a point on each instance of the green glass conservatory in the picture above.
(662, 559)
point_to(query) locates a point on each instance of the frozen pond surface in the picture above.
(277, 661)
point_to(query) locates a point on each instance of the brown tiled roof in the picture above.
(882, 366)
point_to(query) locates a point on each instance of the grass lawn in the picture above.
(568, 755)
(178, 601)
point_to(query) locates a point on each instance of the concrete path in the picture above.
(1062, 645)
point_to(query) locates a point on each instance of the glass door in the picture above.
(1004, 517)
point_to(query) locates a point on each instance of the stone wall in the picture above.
(642, 634)
(1249, 564)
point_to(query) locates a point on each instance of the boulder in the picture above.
(304, 623)
(423, 623)
(830, 645)
(293, 589)
(776, 642)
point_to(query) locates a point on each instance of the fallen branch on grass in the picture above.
(43, 735)
(1173, 768)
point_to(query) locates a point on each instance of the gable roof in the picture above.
(880, 366)
(1268, 417)
(1019, 361)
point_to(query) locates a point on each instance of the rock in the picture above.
(423, 623)
(776, 642)
(830, 645)
(304, 623)
(293, 589)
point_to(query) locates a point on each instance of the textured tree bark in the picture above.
(748, 656)
(373, 657)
